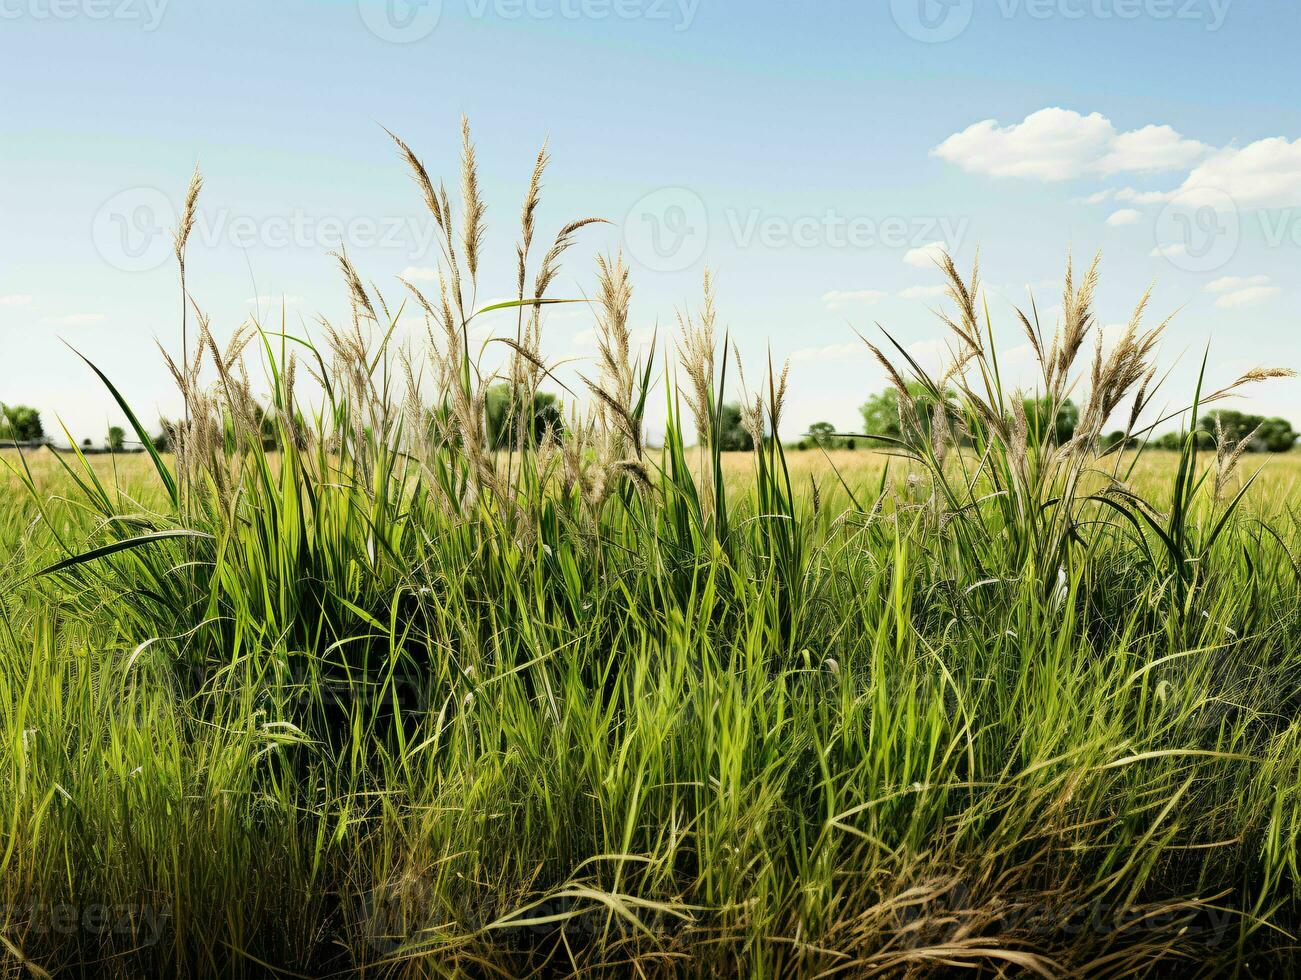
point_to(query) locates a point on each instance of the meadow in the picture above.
(372, 696)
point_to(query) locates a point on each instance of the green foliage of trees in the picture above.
(1061, 427)
(881, 411)
(1272, 435)
(733, 435)
(503, 427)
(21, 423)
(823, 434)
(881, 415)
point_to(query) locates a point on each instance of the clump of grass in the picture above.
(586, 706)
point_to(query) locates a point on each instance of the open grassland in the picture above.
(384, 699)
(835, 473)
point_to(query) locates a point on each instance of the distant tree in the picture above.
(116, 438)
(1273, 435)
(881, 411)
(1278, 435)
(20, 422)
(266, 427)
(733, 436)
(881, 414)
(1115, 438)
(86, 444)
(503, 431)
(1063, 425)
(165, 438)
(822, 434)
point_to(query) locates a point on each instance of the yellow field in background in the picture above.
(1279, 482)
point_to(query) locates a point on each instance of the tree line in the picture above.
(880, 414)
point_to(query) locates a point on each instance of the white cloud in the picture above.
(16, 299)
(839, 299)
(926, 256)
(1097, 197)
(1247, 297)
(1169, 251)
(1152, 149)
(1125, 216)
(1228, 283)
(923, 292)
(1061, 144)
(1238, 291)
(932, 356)
(832, 352)
(1263, 174)
(420, 273)
(1143, 197)
(637, 337)
(75, 319)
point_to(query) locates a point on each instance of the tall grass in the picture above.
(376, 698)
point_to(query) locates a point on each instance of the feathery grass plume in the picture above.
(528, 215)
(531, 337)
(444, 354)
(436, 202)
(189, 212)
(524, 378)
(361, 304)
(1254, 376)
(891, 372)
(383, 304)
(472, 203)
(614, 347)
(1143, 397)
(965, 296)
(637, 472)
(1035, 336)
(1227, 455)
(909, 421)
(1113, 376)
(696, 352)
(576, 453)
(180, 240)
(1018, 444)
(550, 266)
(752, 407)
(1077, 321)
(777, 393)
(421, 176)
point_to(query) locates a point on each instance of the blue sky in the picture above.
(811, 154)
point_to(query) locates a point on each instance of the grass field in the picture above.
(1279, 480)
(383, 700)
